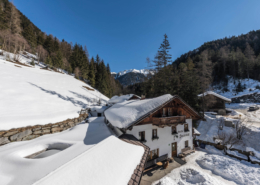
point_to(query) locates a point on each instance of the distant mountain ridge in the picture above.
(130, 76)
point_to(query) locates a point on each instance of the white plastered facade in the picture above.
(164, 143)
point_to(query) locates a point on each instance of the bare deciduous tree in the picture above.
(242, 128)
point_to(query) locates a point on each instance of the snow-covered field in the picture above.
(212, 167)
(33, 96)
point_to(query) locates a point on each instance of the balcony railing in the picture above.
(169, 120)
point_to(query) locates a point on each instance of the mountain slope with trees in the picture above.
(199, 70)
(18, 33)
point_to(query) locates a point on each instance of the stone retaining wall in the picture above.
(31, 132)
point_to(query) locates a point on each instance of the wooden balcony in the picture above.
(168, 120)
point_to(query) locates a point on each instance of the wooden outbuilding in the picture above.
(213, 102)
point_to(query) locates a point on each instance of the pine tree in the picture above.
(29, 35)
(48, 61)
(57, 60)
(91, 76)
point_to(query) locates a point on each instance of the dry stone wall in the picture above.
(31, 132)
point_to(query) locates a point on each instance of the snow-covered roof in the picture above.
(93, 157)
(215, 94)
(102, 164)
(196, 132)
(99, 109)
(122, 115)
(119, 99)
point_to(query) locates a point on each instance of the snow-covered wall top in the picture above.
(33, 96)
(215, 94)
(122, 115)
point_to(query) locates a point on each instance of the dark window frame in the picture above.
(186, 127)
(174, 132)
(142, 136)
(187, 143)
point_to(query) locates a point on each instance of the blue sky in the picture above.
(124, 33)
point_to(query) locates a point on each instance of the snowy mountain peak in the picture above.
(121, 73)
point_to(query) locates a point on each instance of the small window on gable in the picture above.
(186, 143)
(186, 127)
(142, 136)
(169, 111)
(164, 112)
(154, 133)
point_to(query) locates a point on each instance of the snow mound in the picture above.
(231, 169)
(33, 96)
(192, 176)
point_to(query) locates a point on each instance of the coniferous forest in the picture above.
(18, 33)
(196, 71)
(187, 76)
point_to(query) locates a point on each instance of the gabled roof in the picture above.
(119, 99)
(215, 94)
(126, 114)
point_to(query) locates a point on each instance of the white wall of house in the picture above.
(165, 137)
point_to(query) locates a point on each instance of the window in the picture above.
(186, 143)
(186, 127)
(169, 111)
(164, 112)
(154, 133)
(99, 114)
(142, 136)
(154, 154)
(174, 130)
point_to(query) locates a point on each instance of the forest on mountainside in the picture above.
(18, 33)
(197, 71)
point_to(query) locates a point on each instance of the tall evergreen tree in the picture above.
(92, 72)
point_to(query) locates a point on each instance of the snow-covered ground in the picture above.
(250, 87)
(209, 129)
(212, 167)
(85, 154)
(33, 96)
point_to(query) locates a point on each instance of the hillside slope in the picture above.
(33, 96)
